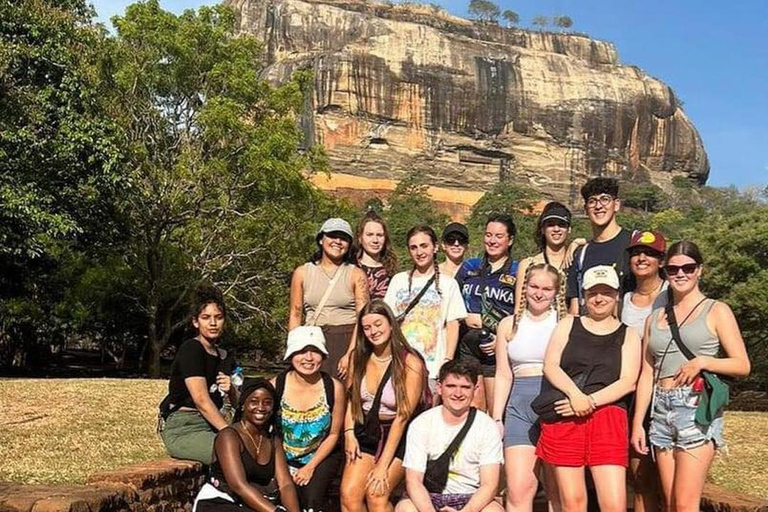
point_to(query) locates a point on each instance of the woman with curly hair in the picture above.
(386, 381)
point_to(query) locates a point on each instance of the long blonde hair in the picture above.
(363, 350)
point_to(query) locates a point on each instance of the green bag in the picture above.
(715, 396)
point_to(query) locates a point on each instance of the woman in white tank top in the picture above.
(520, 347)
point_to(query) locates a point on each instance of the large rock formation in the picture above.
(409, 88)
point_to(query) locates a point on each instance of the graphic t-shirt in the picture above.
(429, 436)
(612, 253)
(424, 326)
(490, 294)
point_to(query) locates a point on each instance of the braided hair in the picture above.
(558, 300)
(427, 230)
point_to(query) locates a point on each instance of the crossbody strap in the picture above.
(454, 446)
(673, 327)
(326, 295)
(580, 275)
(416, 299)
(373, 412)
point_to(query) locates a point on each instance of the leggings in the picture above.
(314, 495)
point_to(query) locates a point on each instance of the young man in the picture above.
(473, 476)
(608, 243)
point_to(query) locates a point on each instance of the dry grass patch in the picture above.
(744, 467)
(63, 430)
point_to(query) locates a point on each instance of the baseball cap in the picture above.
(650, 239)
(455, 228)
(305, 336)
(600, 274)
(556, 211)
(336, 225)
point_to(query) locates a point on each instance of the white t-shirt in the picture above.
(429, 436)
(424, 326)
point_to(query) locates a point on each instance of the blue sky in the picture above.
(713, 53)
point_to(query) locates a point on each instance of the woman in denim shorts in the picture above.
(684, 449)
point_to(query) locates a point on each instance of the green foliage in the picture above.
(511, 17)
(484, 11)
(562, 21)
(644, 196)
(540, 21)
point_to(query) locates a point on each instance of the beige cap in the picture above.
(600, 274)
(305, 336)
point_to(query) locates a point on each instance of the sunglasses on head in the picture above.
(452, 239)
(688, 269)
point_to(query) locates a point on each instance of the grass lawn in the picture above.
(61, 431)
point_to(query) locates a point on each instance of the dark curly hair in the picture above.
(206, 293)
(601, 185)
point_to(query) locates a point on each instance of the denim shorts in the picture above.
(521, 424)
(673, 421)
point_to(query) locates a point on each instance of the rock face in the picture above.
(409, 88)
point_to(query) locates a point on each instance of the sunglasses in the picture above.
(452, 240)
(636, 251)
(688, 269)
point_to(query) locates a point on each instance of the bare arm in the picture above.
(227, 446)
(296, 311)
(362, 297)
(451, 338)
(643, 392)
(573, 307)
(198, 390)
(522, 269)
(417, 493)
(503, 375)
(489, 485)
(630, 368)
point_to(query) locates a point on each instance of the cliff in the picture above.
(401, 89)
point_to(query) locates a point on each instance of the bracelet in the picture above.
(280, 508)
(349, 429)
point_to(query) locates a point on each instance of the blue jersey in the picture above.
(489, 294)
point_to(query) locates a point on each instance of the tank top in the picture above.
(388, 405)
(694, 333)
(303, 431)
(635, 316)
(527, 347)
(378, 280)
(339, 309)
(597, 354)
(259, 474)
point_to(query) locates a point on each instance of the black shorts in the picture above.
(469, 351)
(376, 450)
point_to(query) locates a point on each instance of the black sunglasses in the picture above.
(688, 269)
(452, 239)
(635, 251)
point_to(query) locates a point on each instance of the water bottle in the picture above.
(228, 410)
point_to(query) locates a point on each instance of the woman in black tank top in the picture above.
(594, 360)
(249, 471)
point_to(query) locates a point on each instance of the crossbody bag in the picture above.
(436, 474)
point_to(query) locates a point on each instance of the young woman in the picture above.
(329, 291)
(593, 361)
(199, 380)
(520, 346)
(552, 230)
(375, 254)
(249, 471)
(646, 252)
(310, 414)
(385, 387)
(488, 287)
(684, 448)
(454, 242)
(429, 320)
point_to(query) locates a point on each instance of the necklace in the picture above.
(261, 438)
(381, 359)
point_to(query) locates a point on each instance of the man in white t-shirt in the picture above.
(473, 474)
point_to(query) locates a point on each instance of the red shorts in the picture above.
(594, 440)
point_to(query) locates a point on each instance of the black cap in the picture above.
(455, 228)
(556, 211)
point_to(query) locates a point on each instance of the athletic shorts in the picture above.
(595, 440)
(521, 424)
(673, 421)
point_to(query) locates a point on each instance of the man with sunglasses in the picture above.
(608, 243)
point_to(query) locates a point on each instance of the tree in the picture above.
(59, 159)
(217, 190)
(511, 17)
(562, 21)
(484, 11)
(540, 21)
(647, 197)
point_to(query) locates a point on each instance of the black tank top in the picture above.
(597, 354)
(255, 473)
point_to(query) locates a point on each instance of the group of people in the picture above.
(589, 354)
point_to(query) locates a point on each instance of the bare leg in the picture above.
(611, 487)
(490, 386)
(519, 468)
(381, 502)
(645, 482)
(479, 400)
(353, 484)
(691, 467)
(572, 488)
(665, 462)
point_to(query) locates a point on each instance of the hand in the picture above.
(224, 382)
(351, 447)
(377, 483)
(581, 404)
(304, 475)
(563, 408)
(638, 440)
(500, 426)
(572, 250)
(489, 348)
(686, 374)
(343, 366)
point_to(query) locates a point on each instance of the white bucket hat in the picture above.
(305, 336)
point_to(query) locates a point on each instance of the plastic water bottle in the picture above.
(228, 410)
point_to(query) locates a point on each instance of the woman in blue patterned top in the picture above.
(310, 413)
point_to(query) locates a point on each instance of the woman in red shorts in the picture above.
(594, 360)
